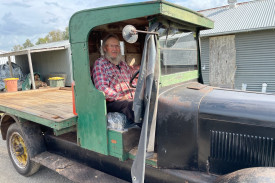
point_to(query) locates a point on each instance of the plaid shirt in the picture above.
(114, 82)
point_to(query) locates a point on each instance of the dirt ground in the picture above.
(8, 174)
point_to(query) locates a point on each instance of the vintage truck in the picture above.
(190, 132)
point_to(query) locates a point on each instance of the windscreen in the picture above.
(178, 50)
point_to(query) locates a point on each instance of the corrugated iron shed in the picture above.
(248, 16)
(39, 48)
(61, 45)
(58, 44)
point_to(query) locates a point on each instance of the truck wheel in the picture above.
(19, 152)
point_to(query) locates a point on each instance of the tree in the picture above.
(65, 34)
(53, 36)
(27, 44)
(17, 47)
(41, 41)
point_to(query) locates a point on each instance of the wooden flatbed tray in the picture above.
(51, 107)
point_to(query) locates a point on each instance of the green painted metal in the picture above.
(186, 15)
(82, 22)
(178, 78)
(32, 117)
(64, 130)
(115, 145)
(90, 103)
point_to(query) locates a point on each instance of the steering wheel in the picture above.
(132, 79)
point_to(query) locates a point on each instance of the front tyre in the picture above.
(19, 152)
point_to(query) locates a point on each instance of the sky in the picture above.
(33, 19)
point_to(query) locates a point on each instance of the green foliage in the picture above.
(54, 36)
(41, 41)
(65, 34)
(27, 44)
(17, 47)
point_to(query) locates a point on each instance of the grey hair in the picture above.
(105, 40)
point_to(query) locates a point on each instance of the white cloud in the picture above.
(201, 5)
(31, 19)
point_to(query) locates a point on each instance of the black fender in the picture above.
(31, 131)
(5, 122)
(249, 175)
(33, 137)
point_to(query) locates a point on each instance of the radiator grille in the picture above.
(241, 148)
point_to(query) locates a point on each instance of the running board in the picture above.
(73, 170)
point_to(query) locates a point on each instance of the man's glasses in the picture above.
(114, 46)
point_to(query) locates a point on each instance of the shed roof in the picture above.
(39, 48)
(247, 16)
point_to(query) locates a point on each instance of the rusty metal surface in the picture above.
(236, 130)
(73, 170)
(196, 86)
(121, 169)
(177, 125)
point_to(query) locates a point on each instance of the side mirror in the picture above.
(130, 33)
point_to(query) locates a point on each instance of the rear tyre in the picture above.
(19, 152)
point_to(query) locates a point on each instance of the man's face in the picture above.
(112, 48)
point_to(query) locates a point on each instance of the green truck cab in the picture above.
(85, 44)
(190, 132)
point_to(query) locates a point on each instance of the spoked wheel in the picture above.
(19, 152)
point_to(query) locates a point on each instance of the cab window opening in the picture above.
(178, 50)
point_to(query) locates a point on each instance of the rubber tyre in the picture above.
(30, 167)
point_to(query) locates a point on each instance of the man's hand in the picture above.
(124, 98)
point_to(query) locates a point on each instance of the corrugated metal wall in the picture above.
(205, 59)
(47, 63)
(255, 60)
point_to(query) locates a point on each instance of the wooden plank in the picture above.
(37, 102)
(40, 109)
(29, 91)
(58, 124)
(10, 67)
(222, 61)
(39, 99)
(43, 114)
(51, 104)
(31, 69)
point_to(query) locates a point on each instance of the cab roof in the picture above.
(83, 21)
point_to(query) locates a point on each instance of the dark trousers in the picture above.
(122, 106)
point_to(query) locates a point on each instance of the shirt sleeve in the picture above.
(102, 83)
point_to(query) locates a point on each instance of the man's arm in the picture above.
(101, 83)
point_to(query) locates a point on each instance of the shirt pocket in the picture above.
(114, 82)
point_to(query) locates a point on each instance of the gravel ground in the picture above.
(8, 174)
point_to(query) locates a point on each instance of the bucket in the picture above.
(11, 84)
(57, 82)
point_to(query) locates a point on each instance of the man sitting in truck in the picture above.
(112, 76)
